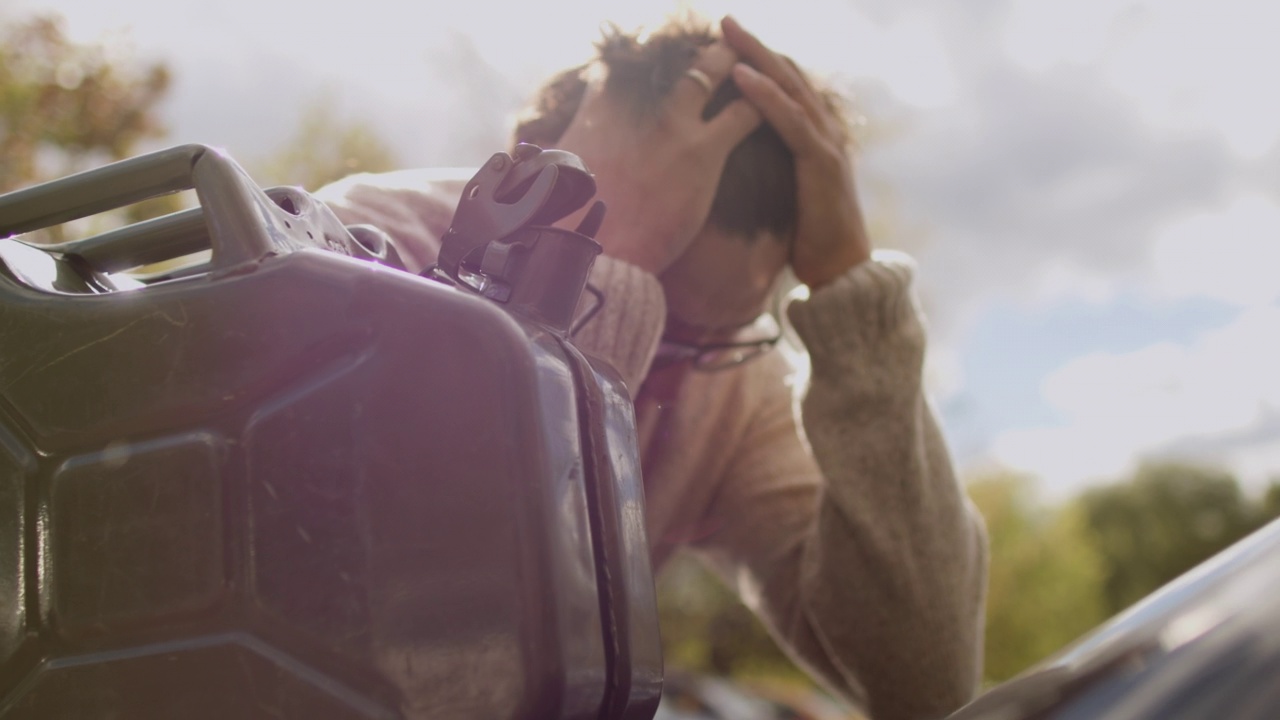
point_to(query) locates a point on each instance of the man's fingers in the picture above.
(784, 113)
(710, 68)
(758, 55)
(780, 69)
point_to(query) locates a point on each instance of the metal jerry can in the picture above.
(294, 480)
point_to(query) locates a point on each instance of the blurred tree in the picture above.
(1165, 520)
(1271, 500)
(65, 107)
(325, 148)
(1045, 586)
(1056, 571)
(706, 629)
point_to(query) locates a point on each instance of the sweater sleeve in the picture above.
(858, 547)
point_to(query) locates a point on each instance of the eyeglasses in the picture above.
(709, 357)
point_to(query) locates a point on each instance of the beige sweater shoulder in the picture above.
(833, 508)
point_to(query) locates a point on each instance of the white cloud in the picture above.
(1195, 65)
(943, 372)
(1208, 397)
(1232, 255)
(1039, 35)
(1065, 279)
(909, 57)
(1185, 64)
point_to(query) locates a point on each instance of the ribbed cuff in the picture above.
(867, 315)
(626, 330)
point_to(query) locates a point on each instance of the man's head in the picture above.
(757, 191)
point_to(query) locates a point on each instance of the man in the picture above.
(851, 539)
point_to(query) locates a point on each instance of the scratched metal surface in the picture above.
(300, 485)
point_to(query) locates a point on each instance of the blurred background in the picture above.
(1092, 188)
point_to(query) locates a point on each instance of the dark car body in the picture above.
(1204, 647)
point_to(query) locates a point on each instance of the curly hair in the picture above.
(757, 190)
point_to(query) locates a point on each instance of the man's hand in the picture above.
(659, 174)
(831, 236)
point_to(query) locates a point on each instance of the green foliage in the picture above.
(1166, 520)
(65, 107)
(1271, 500)
(706, 629)
(325, 148)
(1045, 576)
(1056, 571)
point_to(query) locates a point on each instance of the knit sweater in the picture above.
(844, 529)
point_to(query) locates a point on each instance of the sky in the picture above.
(1091, 187)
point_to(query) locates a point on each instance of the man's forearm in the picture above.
(896, 543)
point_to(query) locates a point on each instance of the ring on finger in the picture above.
(701, 78)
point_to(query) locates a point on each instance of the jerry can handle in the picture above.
(233, 205)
